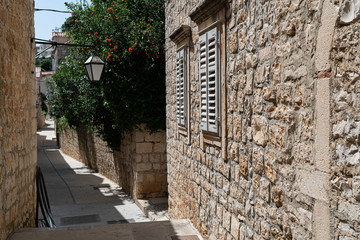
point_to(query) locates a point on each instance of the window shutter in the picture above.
(180, 87)
(209, 88)
(213, 87)
(203, 81)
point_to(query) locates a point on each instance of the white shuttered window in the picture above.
(209, 81)
(181, 87)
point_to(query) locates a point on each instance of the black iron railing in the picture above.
(42, 204)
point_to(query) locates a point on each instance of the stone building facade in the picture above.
(263, 117)
(139, 166)
(59, 53)
(17, 116)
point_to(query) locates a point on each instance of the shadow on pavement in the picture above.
(78, 195)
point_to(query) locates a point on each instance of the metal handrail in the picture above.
(42, 203)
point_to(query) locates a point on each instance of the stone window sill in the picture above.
(211, 139)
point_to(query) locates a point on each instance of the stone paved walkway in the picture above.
(88, 206)
(168, 230)
(78, 195)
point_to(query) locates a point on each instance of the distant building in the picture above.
(41, 87)
(45, 51)
(60, 52)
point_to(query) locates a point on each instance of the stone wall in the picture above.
(345, 120)
(17, 116)
(139, 166)
(291, 143)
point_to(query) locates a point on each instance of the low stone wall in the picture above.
(139, 167)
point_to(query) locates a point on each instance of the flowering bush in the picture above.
(129, 36)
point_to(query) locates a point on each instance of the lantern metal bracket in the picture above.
(42, 41)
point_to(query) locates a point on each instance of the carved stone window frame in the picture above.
(182, 38)
(208, 15)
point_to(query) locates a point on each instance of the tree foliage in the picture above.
(44, 63)
(129, 36)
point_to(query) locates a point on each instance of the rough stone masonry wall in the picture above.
(345, 120)
(17, 116)
(275, 180)
(139, 167)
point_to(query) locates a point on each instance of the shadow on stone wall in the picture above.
(139, 167)
(87, 147)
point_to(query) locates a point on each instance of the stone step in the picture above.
(161, 230)
(156, 209)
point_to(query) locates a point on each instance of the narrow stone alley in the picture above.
(87, 205)
(77, 194)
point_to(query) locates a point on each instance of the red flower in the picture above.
(116, 47)
(96, 33)
(108, 57)
(89, 34)
(130, 50)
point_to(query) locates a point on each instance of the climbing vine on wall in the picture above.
(129, 35)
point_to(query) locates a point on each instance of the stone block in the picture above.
(323, 129)
(141, 167)
(227, 220)
(156, 166)
(265, 230)
(159, 147)
(237, 127)
(148, 187)
(249, 82)
(277, 196)
(356, 187)
(265, 189)
(259, 127)
(305, 218)
(325, 35)
(155, 137)
(270, 165)
(235, 227)
(258, 160)
(144, 147)
(313, 183)
(233, 42)
(322, 221)
(139, 136)
(350, 210)
(243, 162)
(277, 134)
(234, 152)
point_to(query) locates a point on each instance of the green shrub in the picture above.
(129, 36)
